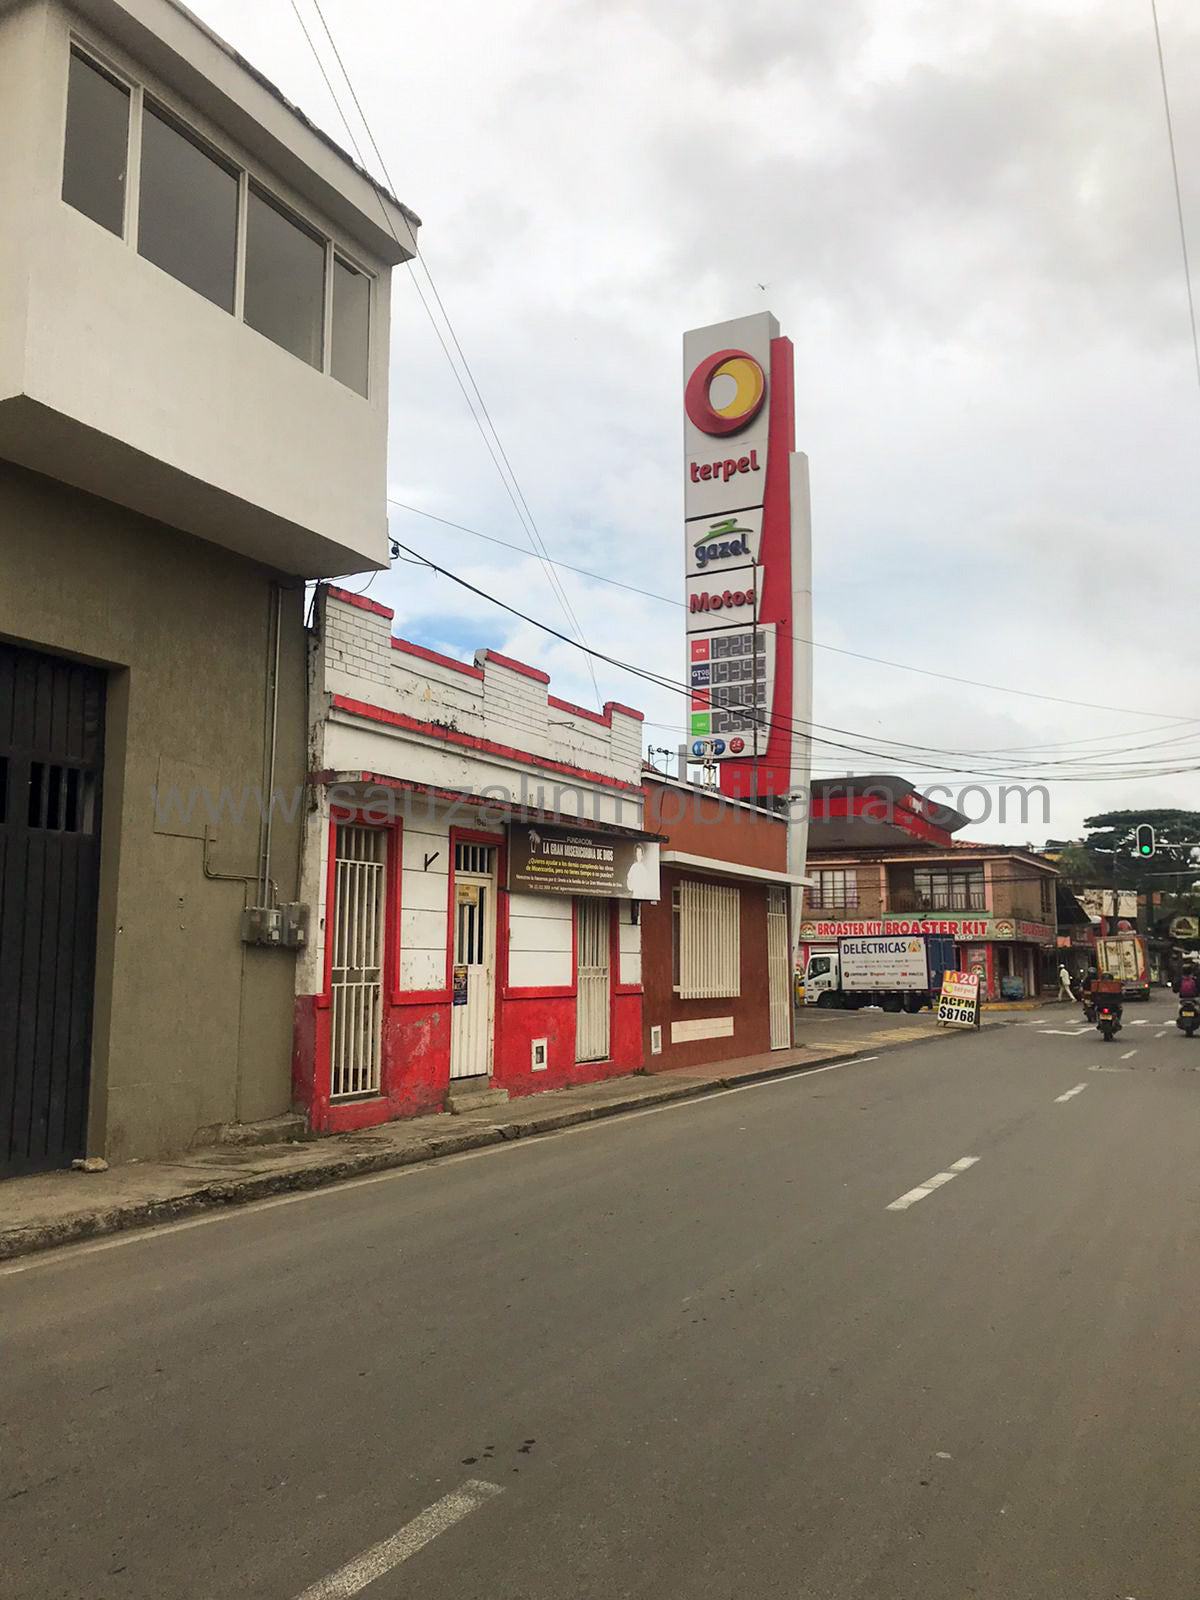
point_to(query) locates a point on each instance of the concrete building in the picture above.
(475, 856)
(194, 289)
(716, 958)
(882, 859)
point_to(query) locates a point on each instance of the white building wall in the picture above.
(353, 656)
(541, 940)
(119, 379)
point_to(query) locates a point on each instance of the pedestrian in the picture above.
(1065, 991)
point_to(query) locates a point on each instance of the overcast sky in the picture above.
(962, 216)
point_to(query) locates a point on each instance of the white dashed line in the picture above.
(1070, 1094)
(930, 1184)
(1163, 1034)
(1065, 1033)
(382, 1557)
(1127, 1054)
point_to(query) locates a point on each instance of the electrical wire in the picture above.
(519, 502)
(794, 727)
(1187, 271)
(857, 655)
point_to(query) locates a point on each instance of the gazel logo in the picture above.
(725, 393)
(720, 541)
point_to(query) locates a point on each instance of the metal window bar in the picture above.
(478, 858)
(356, 979)
(709, 940)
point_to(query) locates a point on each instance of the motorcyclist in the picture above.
(1189, 987)
(1108, 988)
(1089, 1007)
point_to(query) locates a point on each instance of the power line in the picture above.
(803, 728)
(520, 504)
(857, 655)
(1187, 271)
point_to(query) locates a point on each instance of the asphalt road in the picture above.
(693, 1353)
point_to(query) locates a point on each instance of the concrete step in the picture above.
(272, 1130)
(465, 1102)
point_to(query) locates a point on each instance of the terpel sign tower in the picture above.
(748, 565)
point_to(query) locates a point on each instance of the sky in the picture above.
(964, 218)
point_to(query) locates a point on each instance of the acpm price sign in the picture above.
(958, 1004)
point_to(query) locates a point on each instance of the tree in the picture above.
(1111, 840)
(1079, 868)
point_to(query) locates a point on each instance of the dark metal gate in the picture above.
(51, 752)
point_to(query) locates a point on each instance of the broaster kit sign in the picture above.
(555, 861)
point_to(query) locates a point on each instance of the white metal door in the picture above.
(356, 975)
(778, 963)
(592, 985)
(473, 1012)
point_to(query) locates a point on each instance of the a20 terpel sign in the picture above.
(747, 559)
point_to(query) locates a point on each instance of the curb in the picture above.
(36, 1238)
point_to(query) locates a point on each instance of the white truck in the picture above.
(1124, 956)
(900, 972)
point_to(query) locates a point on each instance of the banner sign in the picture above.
(884, 963)
(557, 861)
(958, 1003)
(981, 926)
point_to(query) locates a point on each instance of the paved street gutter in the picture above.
(61, 1208)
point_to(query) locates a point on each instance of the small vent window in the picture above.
(61, 799)
(474, 858)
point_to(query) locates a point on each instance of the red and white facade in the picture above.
(426, 969)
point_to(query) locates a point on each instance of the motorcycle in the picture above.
(1188, 1019)
(1108, 1017)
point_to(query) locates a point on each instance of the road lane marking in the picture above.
(1066, 1033)
(939, 1179)
(413, 1536)
(1163, 1034)
(1127, 1054)
(1070, 1094)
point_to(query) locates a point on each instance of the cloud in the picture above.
(964, 218)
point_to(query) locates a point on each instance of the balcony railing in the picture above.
(947, 900)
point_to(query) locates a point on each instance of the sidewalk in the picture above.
(58, 1208)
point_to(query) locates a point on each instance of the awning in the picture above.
(731, 869)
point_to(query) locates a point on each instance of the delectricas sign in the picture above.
(556, 861)
(746, 558)
(884, 963)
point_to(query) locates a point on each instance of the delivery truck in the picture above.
(900, 972)
(1125, 956)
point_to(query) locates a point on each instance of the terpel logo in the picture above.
(749, 392)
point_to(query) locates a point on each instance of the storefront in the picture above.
(715, 954)
(478, 898)
(1009, 954)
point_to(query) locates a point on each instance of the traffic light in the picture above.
(1145, 839)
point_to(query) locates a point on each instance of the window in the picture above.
(351, 325)
(188, 211)
(707, 943)
(836, 889)
(187, 216)
(1047, 897)
(940, 889)
(97, 144)
(285, 280)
